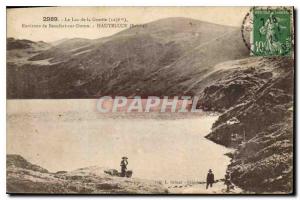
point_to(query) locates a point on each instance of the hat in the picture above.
(124, 157)
(209, 170)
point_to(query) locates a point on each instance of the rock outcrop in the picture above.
(257, 104)
(24, 177)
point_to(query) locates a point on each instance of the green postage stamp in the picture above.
(271, 33)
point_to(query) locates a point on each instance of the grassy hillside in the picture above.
(164, 58)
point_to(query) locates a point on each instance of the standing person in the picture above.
(123, 165)
(210, 179)
(227, 181)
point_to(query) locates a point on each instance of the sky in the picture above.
(232, 16)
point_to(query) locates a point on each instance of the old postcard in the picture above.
(150, 100)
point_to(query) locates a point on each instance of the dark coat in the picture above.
(124, 164)
(210, 178)
(227, 179)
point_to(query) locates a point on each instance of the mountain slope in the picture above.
(164, 58)
(59, 52)
(19, 51)
(25, 44)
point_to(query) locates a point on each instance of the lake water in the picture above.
(70, 134)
